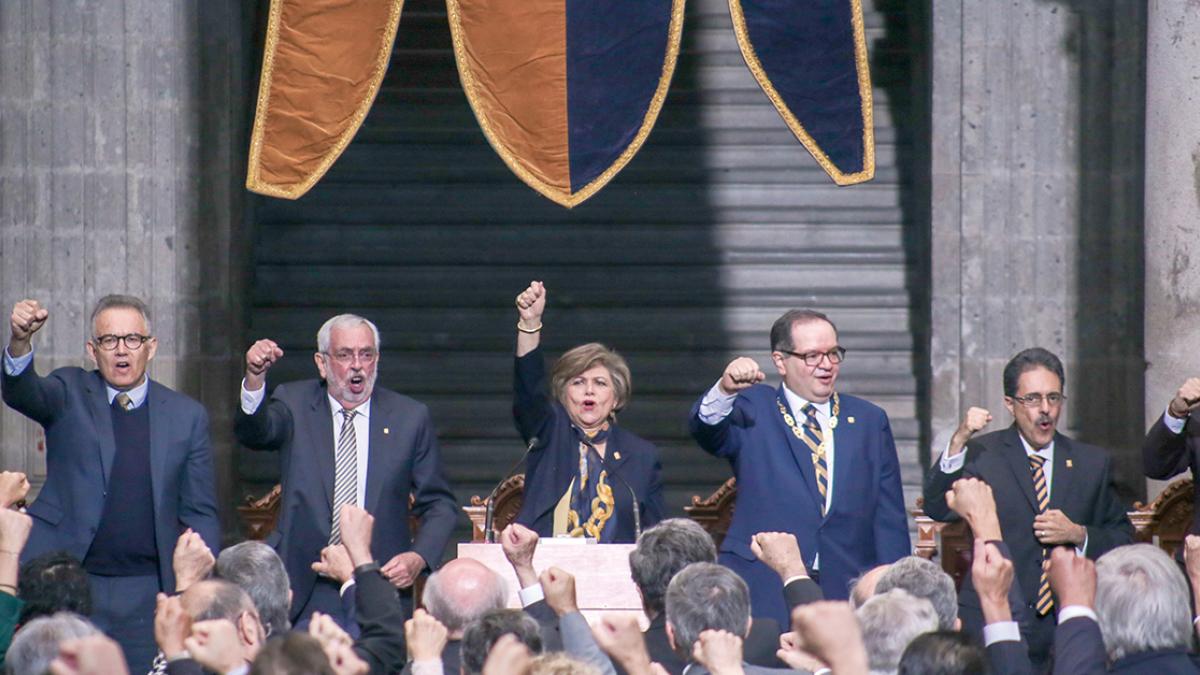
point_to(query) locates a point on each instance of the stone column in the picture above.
(121, 158)
(1172, 209)
(1036, 204)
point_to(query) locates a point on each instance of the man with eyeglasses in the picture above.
(808, 460)
(342, 440)
(128, 465)
(1050, 491)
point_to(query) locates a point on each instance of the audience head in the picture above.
(576, 378)
(924, 579)
(863, 586)
(559, 663)
(220, 599)
(889, 622)
(705, 596)
(661, 552)
(35, 645)
(292, 654)
(482, 633)
(259, 571)
(120, 343)
(461, 591)
(1033, 386)
(797, 337)
(54, 582)
(1142, 600)
(347, 358)
(943, 652)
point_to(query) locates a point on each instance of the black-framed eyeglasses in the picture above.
(133, 341)
(835, 355)
(347, 356)
(1035, 400)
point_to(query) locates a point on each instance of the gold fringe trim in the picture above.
(864, 90)
(294, 191)
(557, 195)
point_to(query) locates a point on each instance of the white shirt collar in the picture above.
(137, 394)
(797, 403)
(335, 408)
(1046, 452)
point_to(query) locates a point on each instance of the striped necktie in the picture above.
(1045, 601)
(123, 399)
(345, 483)
(815, 439)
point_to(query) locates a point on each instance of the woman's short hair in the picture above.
(582, 358)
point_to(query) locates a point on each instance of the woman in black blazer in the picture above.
(586, 472)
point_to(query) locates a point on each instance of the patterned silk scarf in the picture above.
(593, 512)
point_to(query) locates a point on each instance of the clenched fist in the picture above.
(259, 359)
(741, 373)
(1186, 399)
(27, 318)
(531, 303)
(975, 419)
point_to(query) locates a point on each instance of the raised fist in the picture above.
(27, 318)
(1186, 399)
(741, 373)
(259, 359)
(531, 303)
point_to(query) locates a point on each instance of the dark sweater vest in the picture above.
(124, 545)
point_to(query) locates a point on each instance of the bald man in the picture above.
(457, 594)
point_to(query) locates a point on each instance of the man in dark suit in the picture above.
(1049, 490)
(808, 461)
(1172, 444)
(128, 465)
(344, 441)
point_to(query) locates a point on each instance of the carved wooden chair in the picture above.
(509, 497)
(715, 512)
(259, 514)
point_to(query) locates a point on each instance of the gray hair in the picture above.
(923, 579)
(483, 632)
(1142, 601)
(36, 644)
(706, 596)
(662, 551)
(259, 571)
(117, 301)
(226, 600)
(890, 621)
(461, 592)
(343, 321)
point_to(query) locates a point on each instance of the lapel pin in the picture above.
(1069, 464)
(850, 419)
(385, 430)
(617, 455)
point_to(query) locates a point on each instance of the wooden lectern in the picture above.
(602, 580)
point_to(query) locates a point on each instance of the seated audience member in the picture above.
(862, 587)
(259, 570)
(292, 654)
(457, 594)
(944, 652)
(558, 663)
(830, 632)
(889, 621)
(37, 643)
(924, 579)
(54, 582)
(482, 634)
(225, 629)
(92, 655)
(1130, 608)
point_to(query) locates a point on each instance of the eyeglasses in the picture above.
(1035, 400)
(835, 355)
(133, 341)
(347, 356)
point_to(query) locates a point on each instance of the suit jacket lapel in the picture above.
(159, 440)
(102, 418)
(320, 429)
(800, 451)
(845, 437)
(1064, 472)
(378, 453)
(1018, 461)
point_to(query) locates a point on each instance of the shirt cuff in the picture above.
(950, 464)
(1076, 611)
(346, 586)
(240, 670)
(798, 577)
(252, 399)
(15, 365)
(1172, 423)
(716, 405)
(1001, 631)
(531, 594)
(427, 667)
(1081, 550)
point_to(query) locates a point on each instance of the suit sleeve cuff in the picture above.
(1076, 611)
(1172, 423)
(951, 464)
(427, 667)
(1001, 631)
(716, 405)
(15, 365)
(346, 586)
(252, 399)
(531, 594)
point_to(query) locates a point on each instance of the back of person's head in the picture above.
(216, 599)
(259, 571)
(292, 654)
(662, 551)
(891, 620)
(36, 644)
(461, 591)
(559, 663)
(479, 635)
(1142, 601)
(862, 587)
(924, 579)
(54, 582)
(705, 596)
(943, 652)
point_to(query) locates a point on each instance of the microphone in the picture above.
(637, 509)
(489, 534)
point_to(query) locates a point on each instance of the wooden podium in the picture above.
(602, 580)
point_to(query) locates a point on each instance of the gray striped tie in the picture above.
(345, 476)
